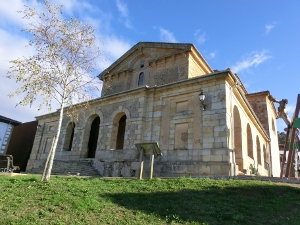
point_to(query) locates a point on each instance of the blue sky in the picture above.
(259, 40)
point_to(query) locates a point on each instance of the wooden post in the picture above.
(141, 163)
(290, 156)
(151, 162)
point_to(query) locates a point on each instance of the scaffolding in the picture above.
(290, 141)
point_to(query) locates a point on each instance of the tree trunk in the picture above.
(52, 152)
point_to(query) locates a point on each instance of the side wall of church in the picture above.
(248, 140)
(266, 113)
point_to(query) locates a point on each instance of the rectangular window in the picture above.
(142, 63)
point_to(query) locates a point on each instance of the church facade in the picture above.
(151, 94)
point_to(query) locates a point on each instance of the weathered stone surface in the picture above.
(126, 171)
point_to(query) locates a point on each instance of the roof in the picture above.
(9, 121)
(140, 45)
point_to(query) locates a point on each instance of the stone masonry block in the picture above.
(185, 158)
(192, 169)
(205, 158)
(207, 145)
(204, 170)
(218, 145)
(135, 165)
(208, 135)
(216, 158)
(193, 152)
(208, 139)
(215, 169)
(219, 151)
(220, 128)
(205, 152)
(180, 168)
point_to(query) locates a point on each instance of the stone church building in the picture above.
(151, 94)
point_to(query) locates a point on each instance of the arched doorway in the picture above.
(238, 138)
(94, 132)
(121, 133)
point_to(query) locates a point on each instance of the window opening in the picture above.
(142, 63)
(121, 133)
(141, 79)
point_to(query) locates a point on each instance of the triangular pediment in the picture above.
(150, 50)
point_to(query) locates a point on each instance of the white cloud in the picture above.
(212, 54)
(9, 11)
(13, 42)
(290, 109)
(122, 7)
(115, 47)
(12, 46)
(269, 27)
(253, 59)
(200, 36)
(166, 35)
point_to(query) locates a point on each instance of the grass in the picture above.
(71, 200)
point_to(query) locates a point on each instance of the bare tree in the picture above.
(61, 68)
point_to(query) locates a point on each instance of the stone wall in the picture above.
(194, 141)
(125, 163)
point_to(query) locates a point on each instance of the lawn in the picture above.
(72, 200)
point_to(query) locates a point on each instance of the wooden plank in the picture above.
(151, 162)
(284, 152)
(141, 164)
(291, 149)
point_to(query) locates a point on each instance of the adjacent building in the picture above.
(6, 128)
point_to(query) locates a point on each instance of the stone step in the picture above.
(84, 168)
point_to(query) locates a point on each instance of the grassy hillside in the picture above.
(71, 200)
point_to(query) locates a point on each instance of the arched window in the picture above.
(141, 79)
(273, 125)
(249, 142)
(258, 151)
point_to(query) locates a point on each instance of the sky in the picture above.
(258, 40)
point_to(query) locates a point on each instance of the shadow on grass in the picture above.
(234, 205)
